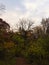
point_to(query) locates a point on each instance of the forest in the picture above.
(31, 43)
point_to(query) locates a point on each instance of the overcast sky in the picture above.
(32, 9)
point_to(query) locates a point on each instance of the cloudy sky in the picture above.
(32, 9)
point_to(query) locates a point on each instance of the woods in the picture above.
(31, 43)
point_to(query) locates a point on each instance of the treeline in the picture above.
(29, 42)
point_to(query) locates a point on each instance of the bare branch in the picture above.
(25, 25)
(2, 8)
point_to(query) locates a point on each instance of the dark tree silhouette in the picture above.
(4, 26)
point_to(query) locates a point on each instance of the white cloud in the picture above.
(34, 9)
(30, 6)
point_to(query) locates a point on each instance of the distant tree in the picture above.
(38, 31)
(24, 27)
(45, 24)
(2, 8)
(47, 20)
(26, 24)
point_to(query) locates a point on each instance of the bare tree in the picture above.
(2, 8)
(30, 24)
(25, 25)
(45, 24)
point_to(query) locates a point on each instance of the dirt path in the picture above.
(21, 61)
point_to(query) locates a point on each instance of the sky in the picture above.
(30, 9)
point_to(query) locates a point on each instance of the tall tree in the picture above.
(24, 27)
(45, 24)
(26, 24)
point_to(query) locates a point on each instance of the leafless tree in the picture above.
(25, 25)
(2, 8)
(45, 24)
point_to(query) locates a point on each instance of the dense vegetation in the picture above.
(30, 43)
